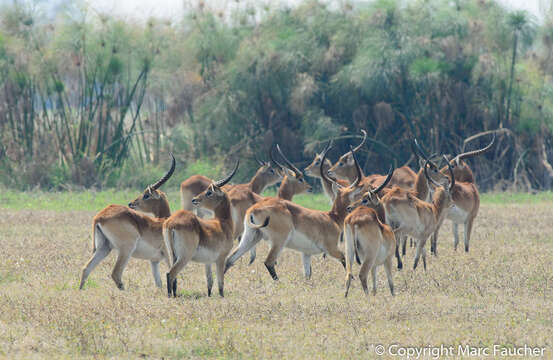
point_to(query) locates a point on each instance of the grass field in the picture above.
(499, 293)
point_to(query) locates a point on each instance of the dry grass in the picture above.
(499, 293)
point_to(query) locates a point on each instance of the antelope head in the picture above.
(446, 183)
(345, 195)
(295, 180)
(269, 173)
(214, 195)
(431, 170)
(313, 169)
(345, 166)
(371, 198)
(153, 200)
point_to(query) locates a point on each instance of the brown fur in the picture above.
(265, 176)
(310, 231)
(131, 233)
(365, 234)
(344, 169)
(313, 171)
(190, 238)
(411, 216)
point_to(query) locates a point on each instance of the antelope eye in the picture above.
(146, 196)
(340, 164)
(209, 193)
(300, 180)
(365, 201)
(317, 163)
(271, 171)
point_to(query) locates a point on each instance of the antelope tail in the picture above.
(254, 226)
(168, 240)
(93, 236)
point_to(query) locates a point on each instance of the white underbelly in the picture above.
(457, 215)
(204, 255)
(302, 243)
(146, 251)
(381, 255)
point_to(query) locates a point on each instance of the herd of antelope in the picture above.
(373, 215)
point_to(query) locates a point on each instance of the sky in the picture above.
(173, 9)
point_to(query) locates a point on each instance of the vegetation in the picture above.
(92, 200)
(91, 100)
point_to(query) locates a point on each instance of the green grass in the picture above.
(516, 198)
(91, 200)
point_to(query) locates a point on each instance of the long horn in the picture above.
(288, 162)
(165, 177)
(279, 165)
(323, 175)
(357, 168)
(427, 176)
(476, 152)
(452, 182)
(386, 181)
(223, 182)
(362, 142)
(261, 163)
(421, 153)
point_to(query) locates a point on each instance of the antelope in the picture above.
(266, 175)
(409, 215)
(344, 169)
(368, 238)
(242, 198)
(466, 199)
(131, 233)
(313, 171)
(373, 242)
(188, 237)
(289, 225)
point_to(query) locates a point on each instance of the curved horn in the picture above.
(428, 177)
(421, 153)
(452, 181)
(362, 142)
(165, 177)
(476, 152)
(357, 168)
(261, 163)
(290, 165)
(227, 179)
(279, 165)
(323, 175)
(386, 181)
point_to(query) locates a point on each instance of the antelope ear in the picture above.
(349, 160)
(457, 161)
(155, 194)
(289, 173)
